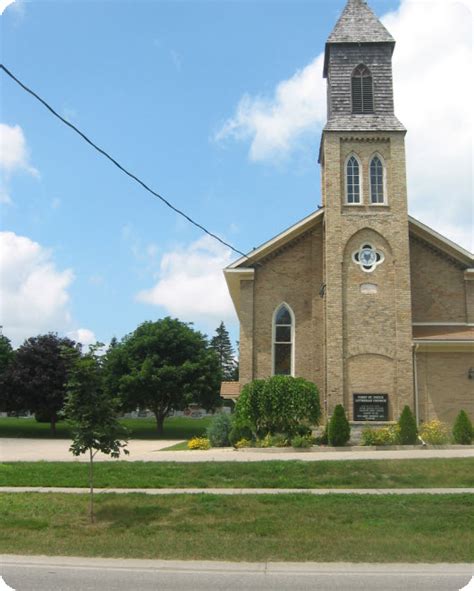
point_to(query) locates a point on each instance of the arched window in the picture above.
(377, 189)
(362, 92)
(352, 180)
(283, 341)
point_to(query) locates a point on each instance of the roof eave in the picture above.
(278, 241)
(441, 242)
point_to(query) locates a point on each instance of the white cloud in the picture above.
(14, 157)
(433, 98)
(191, 285)
(274, 125)
(34, 294)
(4, 4)
(14, 154)
(84, 336)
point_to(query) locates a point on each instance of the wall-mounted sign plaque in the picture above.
(370, 407)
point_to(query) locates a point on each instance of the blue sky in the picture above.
(219, 107)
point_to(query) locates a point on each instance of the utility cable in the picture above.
(118, 165)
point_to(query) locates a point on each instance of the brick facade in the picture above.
(354, 330)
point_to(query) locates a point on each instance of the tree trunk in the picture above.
(160, 419)
(53, 426)
(91, 486)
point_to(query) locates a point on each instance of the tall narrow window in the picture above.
(376, 181)
(362, 93)
(352, 180)
(283, 327)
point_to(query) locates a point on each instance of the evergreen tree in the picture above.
(223, 347)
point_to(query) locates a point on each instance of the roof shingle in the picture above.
(358, 24)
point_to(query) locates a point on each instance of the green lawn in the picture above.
(411, 528)
(174, 428)
(421, 473)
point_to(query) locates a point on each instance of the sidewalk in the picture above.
(242, 491)
(33, 450)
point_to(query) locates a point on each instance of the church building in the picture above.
(360, 298)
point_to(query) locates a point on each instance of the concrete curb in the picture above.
(202, 566)
(241, 491)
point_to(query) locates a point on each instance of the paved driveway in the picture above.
(30, 450)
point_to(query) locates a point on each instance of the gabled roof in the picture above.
(358, 24)
(452, 249)
(277, 242)
(244, 267)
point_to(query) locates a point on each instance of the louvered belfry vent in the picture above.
(362, 92)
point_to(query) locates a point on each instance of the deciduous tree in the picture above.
(164, 366)
(92, 413)
(37, 377)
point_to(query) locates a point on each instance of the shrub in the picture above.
(280, 440)
(279, 404)
(408, 428)
(237, 433)
(462, 429)
(434, 432)
(339, 430)
(384, 436)
(242, 443)
(199, 443)
(302, 441)
(219, 429)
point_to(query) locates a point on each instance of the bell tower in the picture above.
(366, 257)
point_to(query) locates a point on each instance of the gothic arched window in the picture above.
(283, 341)
(377, 189)
(362, 92)
(352, 180)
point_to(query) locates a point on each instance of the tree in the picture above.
(163, 366)
(408, 428)
(339, 430)
(6, 353)
(37, 376)
(223, 347)
(278, 405)
(6, 358)
(92, 413)
(462, 429)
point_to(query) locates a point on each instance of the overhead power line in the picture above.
(118, 165)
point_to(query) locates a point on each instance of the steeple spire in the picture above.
(358, 24)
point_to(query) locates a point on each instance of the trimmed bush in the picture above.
(462, 429)
(434, 432)
(199, 443)
(280, 404)
(408, 428)
(339, 430)
(383, 436)
(237, 433)
(219, 430)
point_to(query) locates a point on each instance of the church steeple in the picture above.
(358, 68)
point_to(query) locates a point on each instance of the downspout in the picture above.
(415, 389)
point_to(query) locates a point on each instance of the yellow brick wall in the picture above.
(443, 385)
(438, 287)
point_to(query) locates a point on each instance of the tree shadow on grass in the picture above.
(126, 516)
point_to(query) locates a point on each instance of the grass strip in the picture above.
(174, 428)
(419, 473)
(209, 527)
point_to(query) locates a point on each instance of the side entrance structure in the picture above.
(370, 304)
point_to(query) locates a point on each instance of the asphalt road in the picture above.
(69, 574)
